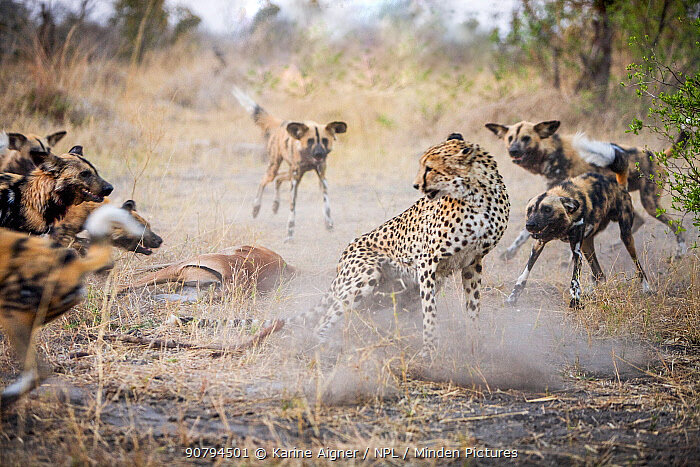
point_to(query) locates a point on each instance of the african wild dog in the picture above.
(538, 149)
(304, 146)
(574, 211)
(26, 152)
(67, 229)
(40, 280)
(33, 203)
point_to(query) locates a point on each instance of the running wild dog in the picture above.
(540, 150)
(575, 211)
(304, 146)
(40, 280)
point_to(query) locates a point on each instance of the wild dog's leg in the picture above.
(471, 283)
(326, 200)
(18, 328)
(650, 193)
(575, 241)
(625, 223)
(588, 249)
(281, 178)
(522, 280)
(269, 176)
(296, 178)
(638, 221)
(515, 246)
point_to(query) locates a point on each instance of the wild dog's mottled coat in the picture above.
(26, 152)
(538, 149)
(33, 203)
(40, 280)
(461, 218)
(304, 146)
(574, 211)
(67, 229)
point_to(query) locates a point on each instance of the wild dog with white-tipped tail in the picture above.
(304, 146)
(540, 150)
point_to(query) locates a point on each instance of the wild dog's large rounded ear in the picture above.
(497, 129)
(297, 129)
(129, 205)
(76, 150)
(49, 162)
(547, 129)
(17, 140)
(570, 204)
(54, 138)
(337, 127)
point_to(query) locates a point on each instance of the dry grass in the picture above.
(558, 386)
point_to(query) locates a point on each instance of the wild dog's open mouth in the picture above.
(517, 159)
(543, 233)
(143, 250)
(89, 196)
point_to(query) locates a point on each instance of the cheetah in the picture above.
(460, 219)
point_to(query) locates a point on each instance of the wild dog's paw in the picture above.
(508, 254)
(275, 206)
(256, 210)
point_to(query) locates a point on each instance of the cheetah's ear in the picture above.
(457, 136)
(297, 129)
(547, 129)
(570, 204)
(497, 129)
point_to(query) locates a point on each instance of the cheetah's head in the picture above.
(443, 168)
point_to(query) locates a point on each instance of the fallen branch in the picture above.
(218, 350)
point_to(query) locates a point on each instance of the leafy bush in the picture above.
(675, 107)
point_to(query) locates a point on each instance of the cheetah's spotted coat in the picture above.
(461, 218)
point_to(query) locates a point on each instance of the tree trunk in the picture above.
(596, 65)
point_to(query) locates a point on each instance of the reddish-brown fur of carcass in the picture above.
(248, 266)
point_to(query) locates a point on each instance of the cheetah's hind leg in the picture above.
(353, 287)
